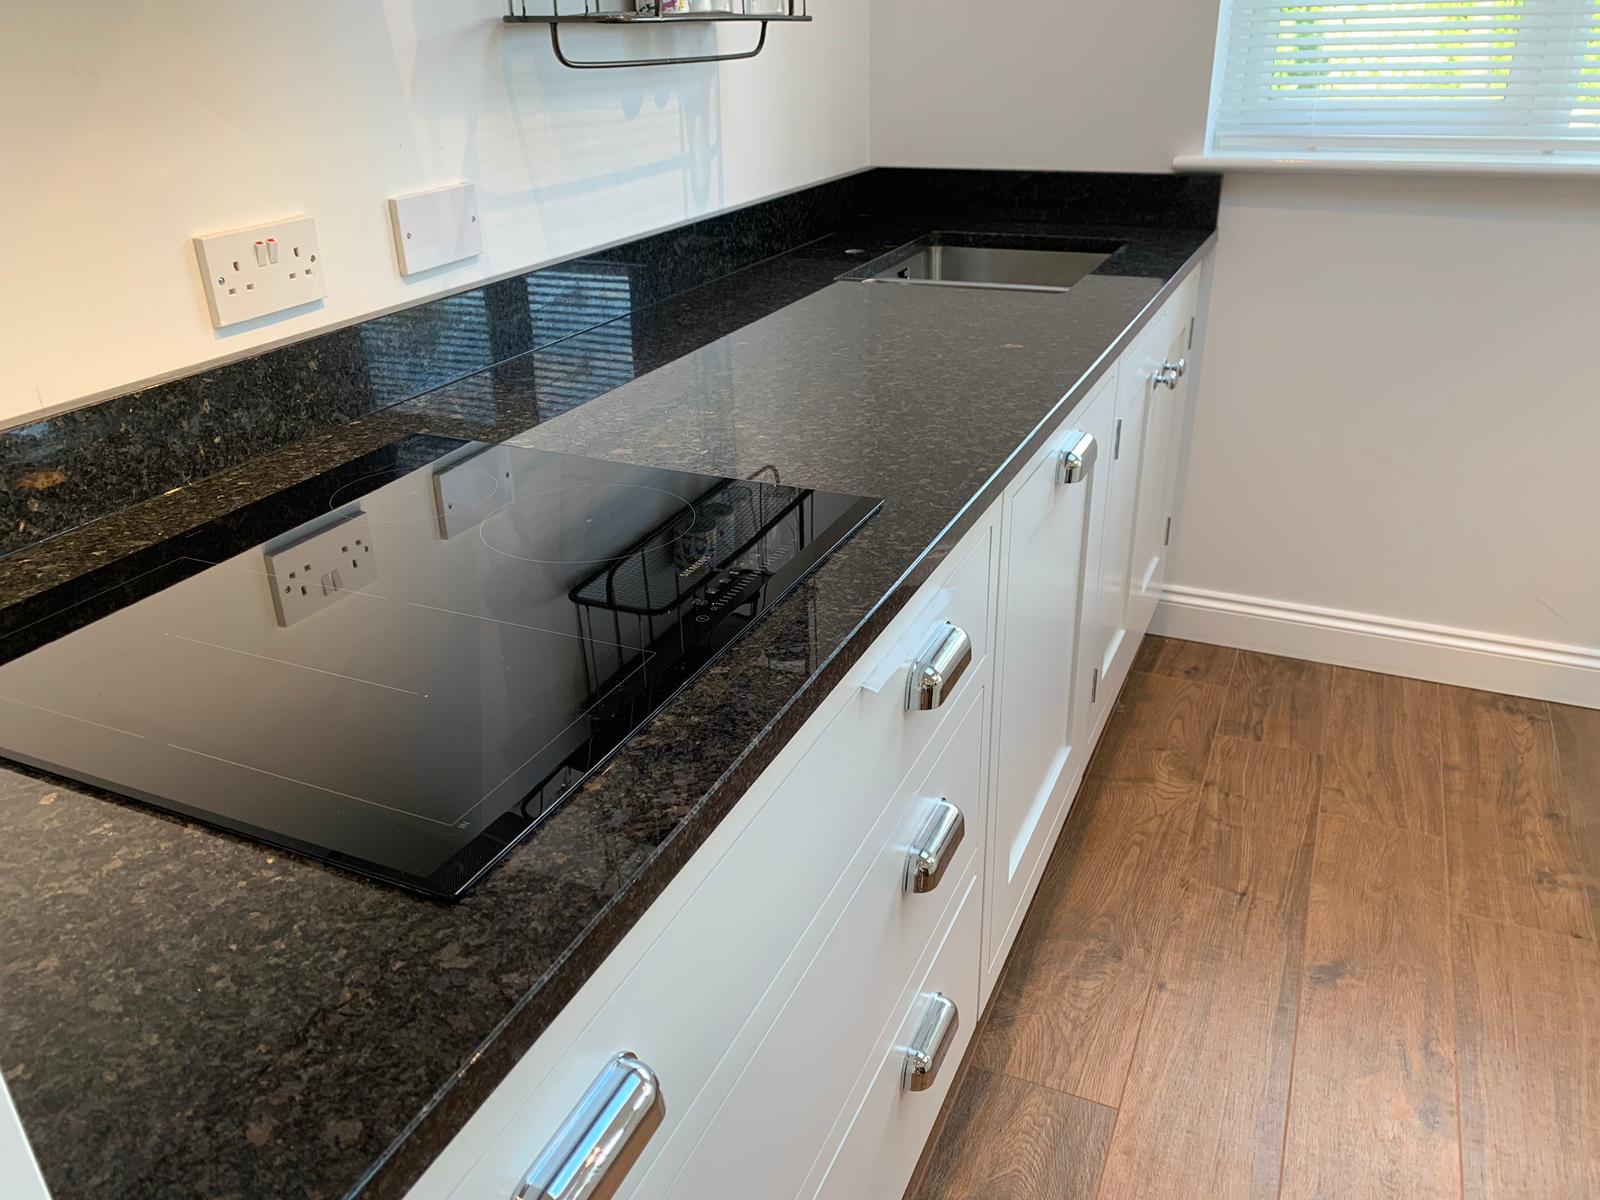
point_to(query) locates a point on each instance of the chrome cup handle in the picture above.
(601, 1138)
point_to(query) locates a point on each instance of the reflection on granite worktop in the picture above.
(73, 467)
(200, 1016)
(188, 1015)
(69, 468)
(491, 405)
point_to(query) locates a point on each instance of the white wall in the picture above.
(1396, 422)
(1040, 84)
(129, 129)
(1395, 426)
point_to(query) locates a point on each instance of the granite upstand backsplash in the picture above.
(70, 468)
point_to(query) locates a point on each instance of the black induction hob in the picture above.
(402, 665)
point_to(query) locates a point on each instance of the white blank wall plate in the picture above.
(259, 271)
(471, 483)
(436, 227)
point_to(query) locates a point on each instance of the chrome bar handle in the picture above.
(936, 845)
(925, 1055)
(938, 668)
(601, 1139)
(1077, 461)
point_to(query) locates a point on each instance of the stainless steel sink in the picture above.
(990, 267)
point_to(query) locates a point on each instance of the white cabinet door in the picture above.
(1167, 391)
(1046, 527)
(1122, 472)
(1100, 619)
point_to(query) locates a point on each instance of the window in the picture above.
(1429, 78)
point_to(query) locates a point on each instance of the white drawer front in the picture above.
(877, 739)
(775, 1119)
(887, 1125)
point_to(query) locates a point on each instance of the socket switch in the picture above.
(310, 570)
(255, 272)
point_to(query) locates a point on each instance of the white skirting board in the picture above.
(1463, 657)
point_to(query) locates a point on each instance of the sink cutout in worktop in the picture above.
(1029, 263)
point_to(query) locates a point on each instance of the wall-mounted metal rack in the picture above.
(653, 578)
(761, 12)
(651, 618)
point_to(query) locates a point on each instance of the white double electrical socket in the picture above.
(318, 563)
(256, 272)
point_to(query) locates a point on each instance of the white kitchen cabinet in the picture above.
(1168, 392)
(1040, 736)
(832, 1020)
(1122, 498)
(778, 981)
(1100, 619)
(885, 1132)
(1140, 479)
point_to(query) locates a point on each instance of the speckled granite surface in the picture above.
(60, 471)
(185, 1015)
(72, 467)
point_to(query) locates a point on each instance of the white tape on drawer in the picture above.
(906, 648)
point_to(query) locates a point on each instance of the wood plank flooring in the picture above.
(1070, 1022)
(1310, 933)
(1372, 1108)
(1020, 1141)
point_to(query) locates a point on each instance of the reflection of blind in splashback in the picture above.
(563, 301)
(588, 350)
(583, 367)
(413, 351)
(423, 348)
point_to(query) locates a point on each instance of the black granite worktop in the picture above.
(184, 1014)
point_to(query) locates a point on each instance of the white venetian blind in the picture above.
(1418, 78)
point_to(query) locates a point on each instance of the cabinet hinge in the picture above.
(1167, 540)
(1191, 333)
(1116, 442)
(1094, 687)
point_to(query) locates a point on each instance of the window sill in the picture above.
(1329, 165)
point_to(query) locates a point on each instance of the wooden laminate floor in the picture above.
(1309, 933)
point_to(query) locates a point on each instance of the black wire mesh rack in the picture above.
(671, 591)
